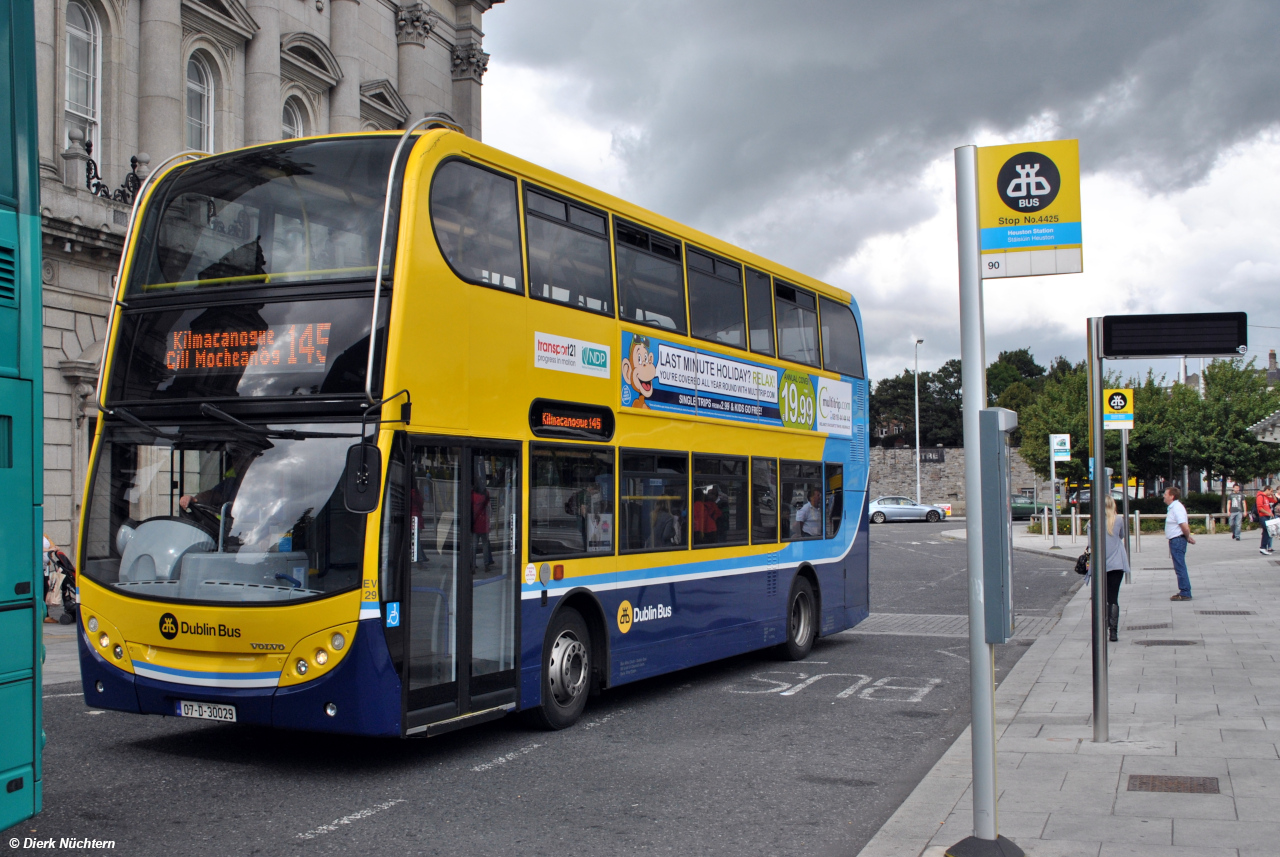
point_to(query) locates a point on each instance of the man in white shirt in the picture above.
(809, 516)
(1178, 533)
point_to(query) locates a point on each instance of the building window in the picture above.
(84, 70)
(291, 120)
(199, 106)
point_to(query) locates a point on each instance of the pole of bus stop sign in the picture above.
(1124, 481)
(1097, 533)
(973, 378)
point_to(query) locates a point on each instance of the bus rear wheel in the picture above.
(802, 620)
(566, 671)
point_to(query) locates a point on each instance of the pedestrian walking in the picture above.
(1265, 504)
(1236, 508)
(1116, 563)
(1178, 533)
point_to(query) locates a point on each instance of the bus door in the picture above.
(461, 592)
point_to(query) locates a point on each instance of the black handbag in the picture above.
(1082, 562)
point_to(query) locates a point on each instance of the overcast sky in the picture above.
(820, 134)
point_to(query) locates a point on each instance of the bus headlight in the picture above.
(104, 640)
(302, 666)
(338, 642)
(331, 709)
(322, 657)
(118, 652)
(93, 624)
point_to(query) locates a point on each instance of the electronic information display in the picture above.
(292, 347)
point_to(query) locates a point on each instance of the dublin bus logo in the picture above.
(168, 626)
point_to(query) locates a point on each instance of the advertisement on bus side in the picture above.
(674, 378)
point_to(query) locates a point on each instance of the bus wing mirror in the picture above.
(362, 480)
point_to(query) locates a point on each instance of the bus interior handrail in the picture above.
(188, 154)
(429, 121)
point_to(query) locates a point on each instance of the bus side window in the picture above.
(476, 223)
(797, 324)
(715, 300)
(834, 499)
(802, 493)
(841, 345)
(720, 501)
(570, 501)
(568, 253)
(650, 278)
(764, 501)
(654, 499)
(760, 311)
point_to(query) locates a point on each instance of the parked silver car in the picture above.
(884, 509)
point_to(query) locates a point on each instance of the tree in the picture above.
(893, 400)
(1235, 397)
(1061, 408)
(1012, 367)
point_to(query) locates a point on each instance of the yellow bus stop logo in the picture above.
(624, 616)
(1117, 409)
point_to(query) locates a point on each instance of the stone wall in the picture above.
(893, 471)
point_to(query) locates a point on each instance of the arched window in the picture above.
(199, 105)
(291, 121)
(84, 71)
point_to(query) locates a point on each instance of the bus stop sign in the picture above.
(1191, 334)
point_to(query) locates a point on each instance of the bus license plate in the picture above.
(207, 711)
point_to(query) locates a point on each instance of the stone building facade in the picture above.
(125, 84)
(893, 473)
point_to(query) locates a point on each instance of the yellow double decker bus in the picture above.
(402, 433)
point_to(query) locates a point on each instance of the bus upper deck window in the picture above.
(568, 253)
(841, 345)
(760, 311)
(650, 281)
(475, 217)
(716, 310)
(797, 324)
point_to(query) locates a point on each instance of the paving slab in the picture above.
(1208, 710)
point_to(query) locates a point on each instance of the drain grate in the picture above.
(1155, 627)
(1173, 784)
(1224, 612)
(1166, 642)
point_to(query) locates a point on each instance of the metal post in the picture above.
(1053, 495)
(973, 376)
(1098, 534)
(1124, 481)
(917, 380)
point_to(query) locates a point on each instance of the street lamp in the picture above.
(916, 378)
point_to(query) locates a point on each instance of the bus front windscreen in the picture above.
(205, 514)
(305, 211)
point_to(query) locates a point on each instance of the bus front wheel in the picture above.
(802, 620)
(566, 671)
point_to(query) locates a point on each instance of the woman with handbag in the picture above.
(1116, 564)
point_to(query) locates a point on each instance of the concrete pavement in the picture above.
(1194, 707)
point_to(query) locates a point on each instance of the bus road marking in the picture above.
(61, 695)
(506, 757)
(349, 819)
(888, 689)
(603, 720)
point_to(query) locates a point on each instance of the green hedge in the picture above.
(1196, 503)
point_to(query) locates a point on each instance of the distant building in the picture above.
(124, 84)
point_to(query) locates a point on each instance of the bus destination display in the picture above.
(275, 348)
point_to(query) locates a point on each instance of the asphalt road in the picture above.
(747, 756)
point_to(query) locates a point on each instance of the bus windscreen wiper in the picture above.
(279, 434)
(134, 421)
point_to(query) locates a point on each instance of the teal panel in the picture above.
(23, 801)
(20, 559)
(8, 167)
(11, 298)
(17, 709)
(17, 657)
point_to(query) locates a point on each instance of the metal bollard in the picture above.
(1075, 522)
(1137, 532)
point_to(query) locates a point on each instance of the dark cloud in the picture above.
(748, 111)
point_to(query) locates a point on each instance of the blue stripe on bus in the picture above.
(256, 676)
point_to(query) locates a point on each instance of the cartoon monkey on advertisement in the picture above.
(639, 370)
